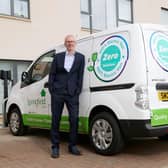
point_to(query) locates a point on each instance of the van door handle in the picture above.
(46, 85)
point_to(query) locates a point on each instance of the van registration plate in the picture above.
(163, 95)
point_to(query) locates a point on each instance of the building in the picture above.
(30, 27)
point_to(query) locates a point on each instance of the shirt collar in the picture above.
(67, 53)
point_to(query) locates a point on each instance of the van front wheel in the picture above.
(105, 134)
(15, 123)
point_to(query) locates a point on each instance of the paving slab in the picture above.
(33, 151)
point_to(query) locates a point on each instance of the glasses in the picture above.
(70, 41)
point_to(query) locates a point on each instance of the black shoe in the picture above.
(74, 150)
(55, 153)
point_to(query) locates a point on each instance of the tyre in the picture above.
(164, 137)
(105, 135)
(16, 123)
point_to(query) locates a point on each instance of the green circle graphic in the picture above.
(162, 49)
(110, 58)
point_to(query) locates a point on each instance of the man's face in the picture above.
(70, 43)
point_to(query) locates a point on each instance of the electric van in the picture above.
(125, 88)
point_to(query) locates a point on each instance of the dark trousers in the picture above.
(57, 104)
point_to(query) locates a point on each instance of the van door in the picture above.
(85, 47)
(156, 46)
(37, 94)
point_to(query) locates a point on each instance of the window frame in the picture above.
(30, 71)
(89, 14)
(123, 20)
(12, 4)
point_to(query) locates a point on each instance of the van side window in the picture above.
(42, 67)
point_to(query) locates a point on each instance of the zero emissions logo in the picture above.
(111, 58)
(159, 49)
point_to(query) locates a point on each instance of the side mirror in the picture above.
(24, 77)
(46, 85)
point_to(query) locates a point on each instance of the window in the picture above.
(18, 8)
(16, 68)
(99, 15)
(41, 68)
(164, 16)
(85, 13)
(124, 11)
(5, 7)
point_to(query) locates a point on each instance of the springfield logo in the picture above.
(159, 49)
(111, 58)
(38, 101)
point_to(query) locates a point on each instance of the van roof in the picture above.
(126, 27)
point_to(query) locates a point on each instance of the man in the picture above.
(65, 85)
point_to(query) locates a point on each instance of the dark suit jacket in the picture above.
(60, 80)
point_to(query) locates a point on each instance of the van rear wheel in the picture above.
(105, 135)
(163, 137)
(16, 123)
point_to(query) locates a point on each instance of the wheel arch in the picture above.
(99, 109)
(102, 108)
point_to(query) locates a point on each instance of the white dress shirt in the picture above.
(69, 59)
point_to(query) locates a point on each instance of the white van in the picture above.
(125, 88)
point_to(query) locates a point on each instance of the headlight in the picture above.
(142, 100)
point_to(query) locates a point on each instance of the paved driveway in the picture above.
(33, 151)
